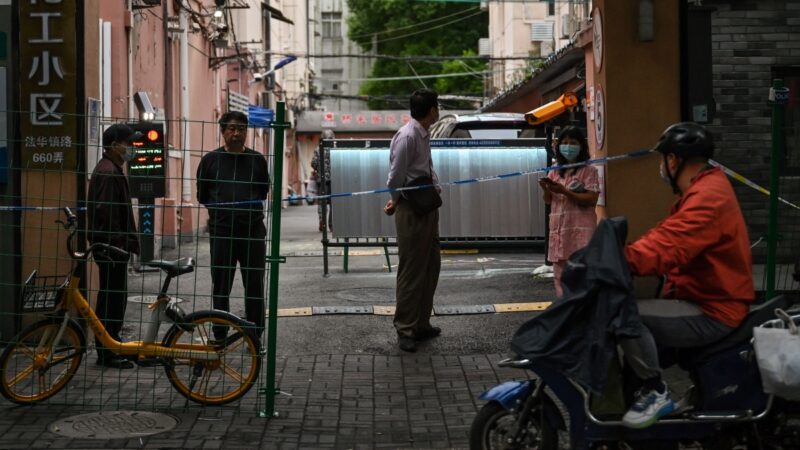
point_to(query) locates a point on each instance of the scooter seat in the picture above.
(174, 268)
(692, 357)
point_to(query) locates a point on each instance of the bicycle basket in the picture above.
(42, 293)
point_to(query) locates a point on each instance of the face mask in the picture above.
(129, 154)
(569, 151)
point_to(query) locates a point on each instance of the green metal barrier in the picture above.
(772, 231)
(274, 258)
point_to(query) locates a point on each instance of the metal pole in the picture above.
(323, 190)
(777, 98)
(184, 74)
(275, 257)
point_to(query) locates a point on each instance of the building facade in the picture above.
(83, 65)
(750, 44)
(336, 80)
(530, 31)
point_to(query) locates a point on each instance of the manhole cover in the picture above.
(113, 424)
(367, 295)
(148, 299)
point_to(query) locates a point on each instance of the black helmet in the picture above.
(686, 140)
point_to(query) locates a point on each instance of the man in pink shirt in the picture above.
(418, 245)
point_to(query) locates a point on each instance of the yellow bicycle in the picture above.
(42, 359)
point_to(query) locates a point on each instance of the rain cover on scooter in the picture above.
(577, 335)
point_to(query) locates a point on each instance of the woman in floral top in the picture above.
(572, 196)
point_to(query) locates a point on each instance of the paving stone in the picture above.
(337, 401)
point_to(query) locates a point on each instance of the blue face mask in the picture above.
(130, 153)
(569, 151)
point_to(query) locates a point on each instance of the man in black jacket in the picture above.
(233, 182)
(111, 222)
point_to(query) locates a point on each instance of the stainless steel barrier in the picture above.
(493, 213)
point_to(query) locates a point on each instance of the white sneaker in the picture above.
(647, 409)
(543, 271)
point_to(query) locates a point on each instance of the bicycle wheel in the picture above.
(34, 367)
(220, 381)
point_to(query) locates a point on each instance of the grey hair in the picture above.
(328, 134)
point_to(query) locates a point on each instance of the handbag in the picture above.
(777, 346)
(424, 200)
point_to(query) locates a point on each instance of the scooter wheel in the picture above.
(494, 427)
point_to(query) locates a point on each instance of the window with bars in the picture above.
(332, 25)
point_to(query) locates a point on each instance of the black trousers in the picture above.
(250, 254)
(112, 299)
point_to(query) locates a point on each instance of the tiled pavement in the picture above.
(327, 401)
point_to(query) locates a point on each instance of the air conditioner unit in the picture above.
(567, 26)
(542, 31)
(484, 47)
(484, 5)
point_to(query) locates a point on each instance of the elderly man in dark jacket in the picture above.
(233, 182)
(110, 216)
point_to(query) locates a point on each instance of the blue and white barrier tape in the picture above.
(634, 154)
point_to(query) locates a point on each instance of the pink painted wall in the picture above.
(207, 101)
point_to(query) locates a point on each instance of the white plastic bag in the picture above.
(778, 356)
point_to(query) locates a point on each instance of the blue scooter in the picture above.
(725, 408)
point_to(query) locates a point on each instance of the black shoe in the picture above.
(406, 344)
(115, 362)
(428, 333)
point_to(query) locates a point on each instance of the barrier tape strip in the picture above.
(740, 178)
(634, 154)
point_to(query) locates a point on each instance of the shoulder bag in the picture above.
(424, 200)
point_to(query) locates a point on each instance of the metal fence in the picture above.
(37, 184)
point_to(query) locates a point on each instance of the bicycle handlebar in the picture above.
(71, 223)
(114, 252)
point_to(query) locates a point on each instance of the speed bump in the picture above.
(383, 310)
(457, 251)
(364, 252)
(439, 310)
(320, 310)
(521, 307)
(293, 312)
(451, 310)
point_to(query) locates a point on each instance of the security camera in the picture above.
(550, 110)
(257, 77)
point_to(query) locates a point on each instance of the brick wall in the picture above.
(749, 39)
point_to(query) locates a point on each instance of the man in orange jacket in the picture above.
(703, 249)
